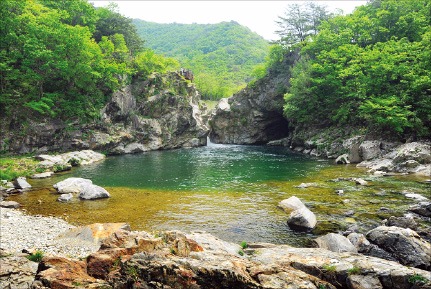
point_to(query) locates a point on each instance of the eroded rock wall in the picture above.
(160, 112)
(255, 114)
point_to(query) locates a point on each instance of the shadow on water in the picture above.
(228, 190)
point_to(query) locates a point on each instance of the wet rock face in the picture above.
(255, 114)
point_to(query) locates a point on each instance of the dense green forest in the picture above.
(63, 59)
(369, 70)
(222, 56)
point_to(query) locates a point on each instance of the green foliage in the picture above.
(300, 21)
(241, 252)
(148, 61)
(417, 279)
(244, 244)
(36, 256)
(11, 168)
(63, 59)
(370, 68)
(354, 270)
(329, 268)
(222, 56)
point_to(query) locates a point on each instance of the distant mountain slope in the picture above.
(222, 56)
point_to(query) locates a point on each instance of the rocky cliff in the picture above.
(160, 112)
(255, 114)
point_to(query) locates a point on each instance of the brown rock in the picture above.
(62, 273)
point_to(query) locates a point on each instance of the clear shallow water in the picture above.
(230, 191)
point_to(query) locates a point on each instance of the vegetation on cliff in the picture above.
(63, 59)
(222, 56)
(368, 70)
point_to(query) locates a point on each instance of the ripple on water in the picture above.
(230, 191)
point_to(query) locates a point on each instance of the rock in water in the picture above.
(71, 185)
(291, 204)
(336, 243)
(302, 218)
(85, 188)
(91, 192)
(65, 197)
(21, 183)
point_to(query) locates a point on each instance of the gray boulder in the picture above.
(291, 204)
(71, 185)
(422, 208)
(402, 222)
(419, 152)
(91, 192)
(365, 247)
(302, 219)
(405, 245)
(369, 150)
(83, 187)
(335, 243)
(21, 183)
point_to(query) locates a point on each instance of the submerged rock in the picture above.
(65, 197)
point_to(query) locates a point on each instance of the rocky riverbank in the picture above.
(112, 256)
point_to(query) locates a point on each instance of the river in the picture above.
(230, 191)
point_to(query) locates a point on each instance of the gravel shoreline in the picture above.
(20, 231)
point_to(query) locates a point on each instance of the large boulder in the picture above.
(255, 114)
(83, 187)
(369, 150)
(405, 245)
(302, 219)
(335, 243)
(416, 151)
(422, 208)
(21, 183)
(71, 185)
(291, 204)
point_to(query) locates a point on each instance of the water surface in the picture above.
(230, 191)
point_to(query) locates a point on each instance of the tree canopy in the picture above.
(63, 58)
(369, 69)
(222, 56)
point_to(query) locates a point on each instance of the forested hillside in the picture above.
(222, 56)
(63, 59)
(369, 70)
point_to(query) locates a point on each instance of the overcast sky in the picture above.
(259, 16)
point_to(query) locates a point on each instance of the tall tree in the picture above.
(300, 21)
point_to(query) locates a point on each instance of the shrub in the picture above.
(36, 256)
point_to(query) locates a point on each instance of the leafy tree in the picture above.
(369, 69)
(111, 22)
(222, 56)
(300, 21)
